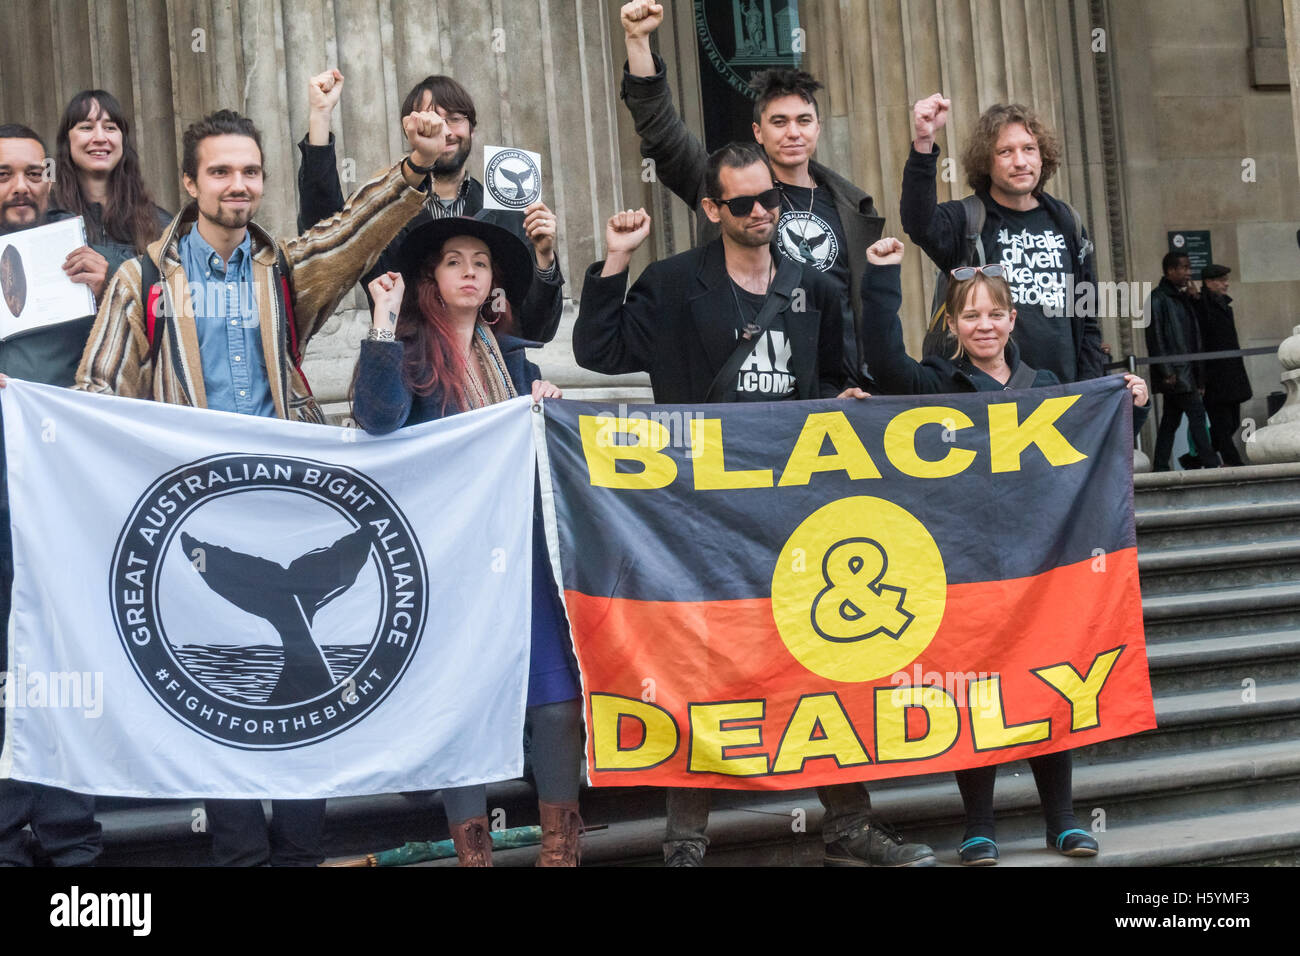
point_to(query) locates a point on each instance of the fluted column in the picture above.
(876, 59)
(1279, 439)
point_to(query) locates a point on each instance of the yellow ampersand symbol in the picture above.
(855, 605)
(859, 589)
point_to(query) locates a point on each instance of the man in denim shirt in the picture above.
(223, 343)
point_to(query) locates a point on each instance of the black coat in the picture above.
(896, 372)
(1172, 329)
(679, 324)
(381, 402)
(319, 197)
(940, 229)
(680, 160)
(1226, 381)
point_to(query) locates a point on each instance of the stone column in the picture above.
(1279, 440)
(876, 59)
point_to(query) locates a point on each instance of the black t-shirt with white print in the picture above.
(809, 231)
(1037, 260)
(765, 376)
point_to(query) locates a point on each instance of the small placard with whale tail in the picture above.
(512, 178)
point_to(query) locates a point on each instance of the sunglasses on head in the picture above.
(994, 270)
(741, 205)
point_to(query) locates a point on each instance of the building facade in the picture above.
(1176, 116)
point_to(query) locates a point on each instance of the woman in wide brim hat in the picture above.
(438, 346)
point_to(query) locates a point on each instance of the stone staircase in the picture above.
(1218, 783)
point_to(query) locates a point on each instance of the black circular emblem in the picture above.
(806, 237)
(268, 602)
(514, 179)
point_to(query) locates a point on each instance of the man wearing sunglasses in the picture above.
(824, 220)
(730, 322)
(1038, 239)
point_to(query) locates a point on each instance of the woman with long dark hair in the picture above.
(437, 347)
(97, 177)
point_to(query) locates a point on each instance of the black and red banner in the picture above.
(793, 594)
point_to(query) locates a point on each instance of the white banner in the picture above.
(214, 605)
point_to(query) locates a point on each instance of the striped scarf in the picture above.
(488, 381)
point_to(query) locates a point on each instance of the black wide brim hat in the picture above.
(510, 253)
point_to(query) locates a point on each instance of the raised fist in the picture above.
(324, 90)
(387, 289)
(885, 252)
(641, 18)
(928, 117)
(625, 231)
(427, 134)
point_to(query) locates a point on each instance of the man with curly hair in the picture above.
(1037, 238)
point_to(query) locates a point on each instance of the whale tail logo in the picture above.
(520, 180)
(287, 597)
(804, 246)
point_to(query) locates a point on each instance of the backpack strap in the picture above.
(281, 274)
(1022, 377)
(1084, 244)
(151, 284)
(976, 215)
(720, 387)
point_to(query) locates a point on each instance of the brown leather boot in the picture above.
(561, 827)
(472, 841)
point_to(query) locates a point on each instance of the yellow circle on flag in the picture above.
(858, 590)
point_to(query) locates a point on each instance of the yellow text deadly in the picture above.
(906, 723)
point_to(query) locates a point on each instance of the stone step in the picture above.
(1152, 805)
(1187, 489)
(1219, 567)
(1190, 722)
(1223, 662)
(1264, 607)
(1130, 790)
(1229, 522)
(1191, 726)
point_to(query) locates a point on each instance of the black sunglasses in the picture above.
(741, 205)
(994, 270)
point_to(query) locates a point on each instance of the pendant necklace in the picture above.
(803, 233)
(750, 326)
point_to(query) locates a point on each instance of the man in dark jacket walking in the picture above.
(1226, 383)
(730, 322)
(825, 221)
(1172, 330)
(1036, 237)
